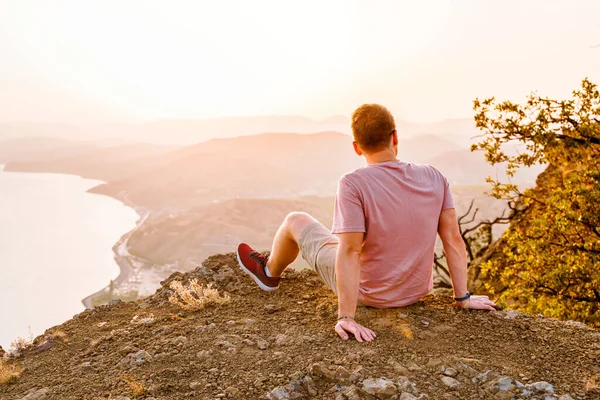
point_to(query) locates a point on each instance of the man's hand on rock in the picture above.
(361, 333)
(477, 303)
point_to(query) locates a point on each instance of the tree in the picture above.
(549, 260)
(477, 234)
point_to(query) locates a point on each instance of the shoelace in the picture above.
(259, 258)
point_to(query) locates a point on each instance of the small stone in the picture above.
(408, 396)
(203, 354)
(425, 324)
(138, 357)
(137, 320)
(230, 322)
(319, 370)
(412, 367)
(232, 391)
(278, 393)
(262, 344)
(433, 363)
(224, 343)
(179, 341)
(36, 394)
(482, 378)
(342, 374)
(399, 368)
(86, 366)
(502, 395)
(450, 372)
(195, 385)
(351, 393)
(405, 385)
(281, 339)
(381, 388)
(540, 387)
(450, 382)
(565, 397)
(271, 308)
(512, 314)
(503, 384)
(203, 328)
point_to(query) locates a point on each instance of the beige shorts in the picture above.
(318, 247)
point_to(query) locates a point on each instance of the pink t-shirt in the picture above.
(398, 206)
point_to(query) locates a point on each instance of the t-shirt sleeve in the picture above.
(448, 201)
(348, 214)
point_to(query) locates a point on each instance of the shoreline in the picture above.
(121, 257)
(127, 269)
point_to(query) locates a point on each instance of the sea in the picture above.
(55, 249)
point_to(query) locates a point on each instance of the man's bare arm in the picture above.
(456, 255)
(347, 271)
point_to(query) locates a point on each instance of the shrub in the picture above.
(195, 296)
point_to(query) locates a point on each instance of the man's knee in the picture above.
(297, 221)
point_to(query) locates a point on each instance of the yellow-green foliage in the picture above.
(195, 296)
(551, 252)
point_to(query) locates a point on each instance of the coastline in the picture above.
(130, 281)
(123, 260)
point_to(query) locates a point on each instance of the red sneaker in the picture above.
(254, 264)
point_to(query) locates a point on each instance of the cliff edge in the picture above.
(282, 345)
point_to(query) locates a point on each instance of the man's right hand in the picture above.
(477, 303)
(361, 333)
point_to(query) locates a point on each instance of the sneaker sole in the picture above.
(256, 279)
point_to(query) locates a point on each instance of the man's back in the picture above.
(397, 205)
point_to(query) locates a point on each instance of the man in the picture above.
(380, 250)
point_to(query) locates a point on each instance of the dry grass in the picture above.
(195, 296)
(20, 344)
(9, 373)
(136, 387)
(593, 384)
(59, 336)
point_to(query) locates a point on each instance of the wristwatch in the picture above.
(465, 297)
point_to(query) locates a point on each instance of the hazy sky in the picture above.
(77, 61)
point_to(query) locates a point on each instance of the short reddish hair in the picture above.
(372, 125)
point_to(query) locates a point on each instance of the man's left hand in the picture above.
(477, 303)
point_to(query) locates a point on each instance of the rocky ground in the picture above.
(282, 345)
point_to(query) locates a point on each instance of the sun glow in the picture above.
(67, 60)
(177, 59)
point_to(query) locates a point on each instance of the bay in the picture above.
(55, 248)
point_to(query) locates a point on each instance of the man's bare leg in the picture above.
(285, 245)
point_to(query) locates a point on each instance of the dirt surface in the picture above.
(282, 345)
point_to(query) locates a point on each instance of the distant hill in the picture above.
(92, 161)
(40, 148)
(189, 237)
(270, 165)
(463, 167)
(267, 165)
